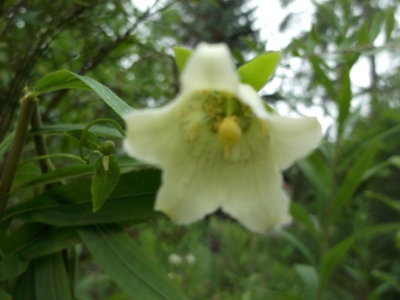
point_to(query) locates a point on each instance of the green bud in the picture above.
(107, 148)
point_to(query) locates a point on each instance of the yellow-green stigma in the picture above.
(229, 134)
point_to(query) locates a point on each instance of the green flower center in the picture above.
(218, 125)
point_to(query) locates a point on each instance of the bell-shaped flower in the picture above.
(218, 146)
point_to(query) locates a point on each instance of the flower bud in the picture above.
(107, 148)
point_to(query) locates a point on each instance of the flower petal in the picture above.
(210, 67)
(249, 192)
(257, 199)
(153, 135)
(292, 138)
(249, 96)
(188, 192)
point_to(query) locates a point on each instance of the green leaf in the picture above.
(353, 179)
(376, 25)
(12, 266)
(302, 216)
(297, 243)
(317, 173)
(352, 153)
(99, 130)
(345, 97)
(51, 279)
(126, 164)
(24, 236)
(332, 259)
(393, 203)
(310, 277)
(363, 35)
(259, 70)
(127, 264)
(55, 176)
(71, 204)
(4, 295)
(390, 23)
(36, 240)
(181, 57)
(64, 79)
(52, 242)
(104, 180)
(321, 77)
(24, 288)
(90, 141)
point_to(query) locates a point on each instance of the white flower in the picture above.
(191, 259)
(218, 147)
(175, 259)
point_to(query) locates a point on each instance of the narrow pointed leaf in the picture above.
(50, 243)
(353, 179)
(127, 264)
(299, 245)
(4, 295)
(259, 70)
(24, 288)
(126, 164)
(390, 23)
(12, 266)
(99, 130)
(51, 279)
(64, 79)
(91, 141)
(71, 204)
(310, 278)
(182, 55)
(104, 180)
(333, 257)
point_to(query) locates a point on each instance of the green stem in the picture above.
(27, 105)
(41, 148)
(47, 156)
(328, 212)
(86, 129)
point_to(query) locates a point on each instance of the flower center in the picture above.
(218, 125)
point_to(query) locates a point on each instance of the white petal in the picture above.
(256, 197)
(292, 138)
(210, 67)
(250, 192)
(153, 135)
(249, 96)
(188, 191)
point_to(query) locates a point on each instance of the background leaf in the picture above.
(51, 279)
(71, 204)
(259, 70)
(24, 288)
(4, 295)
(127, 264)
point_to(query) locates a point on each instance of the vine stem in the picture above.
(21, 132)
